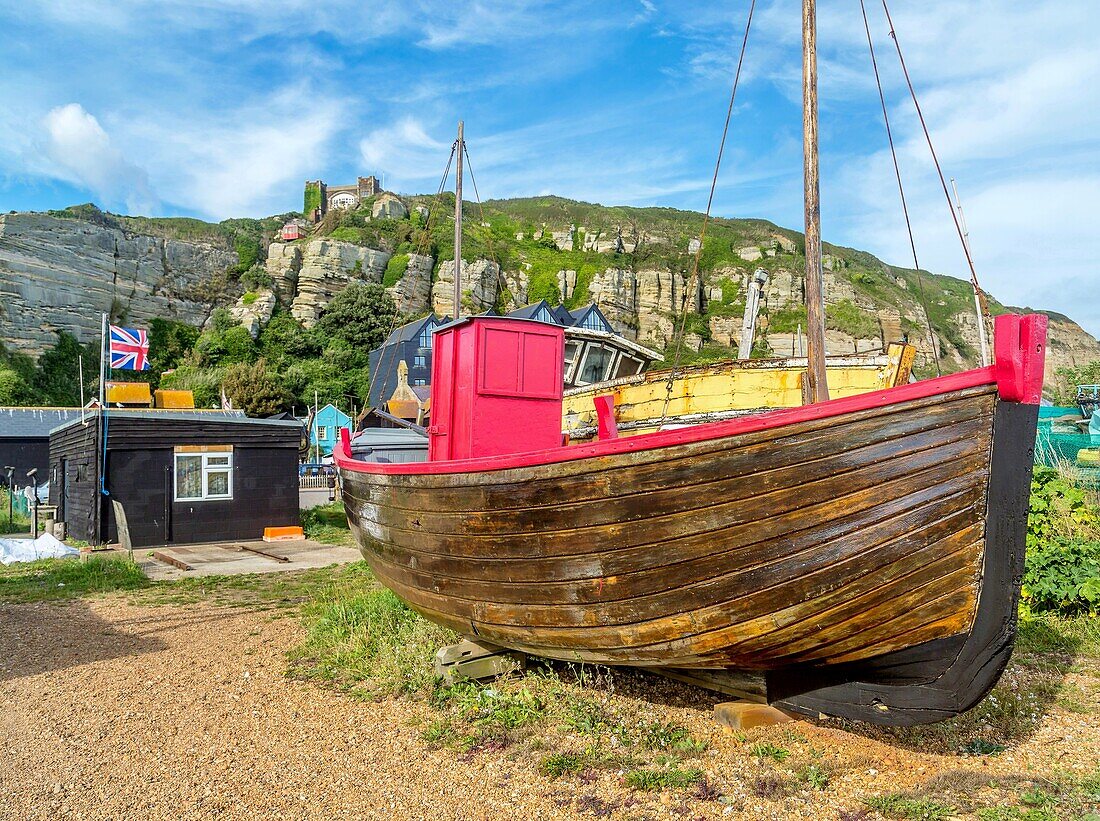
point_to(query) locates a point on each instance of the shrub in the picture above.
(849, 318)
(256, 278)
(249, 298)
(254, 390)
(395, 269)
(1063, 545)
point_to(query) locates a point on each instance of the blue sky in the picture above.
(218, 108)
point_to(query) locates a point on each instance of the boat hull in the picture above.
(860, 557)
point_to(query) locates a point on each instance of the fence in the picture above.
(1060, 444)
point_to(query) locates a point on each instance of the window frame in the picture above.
(205, 470)
(589, 348)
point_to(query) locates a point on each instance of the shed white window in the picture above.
(205, 475)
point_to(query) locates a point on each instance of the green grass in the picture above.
(327, 523)
(765, 749)
(51, 579)
(912, 808)
(556, 765)
(364, 640)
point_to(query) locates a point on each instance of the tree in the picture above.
(284, 340)
(204, 384)
(361, 315)
(215, 347)
(57, 377)
(254, 390)
(14, 389)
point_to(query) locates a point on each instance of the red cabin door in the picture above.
(440, 442)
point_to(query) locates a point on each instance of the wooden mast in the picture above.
(817, 385)
(459, 149)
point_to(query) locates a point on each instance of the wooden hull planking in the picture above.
(757, 551)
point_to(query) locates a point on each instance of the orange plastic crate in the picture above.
(283, 534)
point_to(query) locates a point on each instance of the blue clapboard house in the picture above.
(324, 433)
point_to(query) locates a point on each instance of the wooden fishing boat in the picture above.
(722, 390)
(857, 556)
(863, 555)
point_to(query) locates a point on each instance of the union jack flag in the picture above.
(129, 349)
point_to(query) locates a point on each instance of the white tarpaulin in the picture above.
(26, 550)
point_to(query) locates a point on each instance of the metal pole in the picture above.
(103, 364)
(458, 222)
(816, 378)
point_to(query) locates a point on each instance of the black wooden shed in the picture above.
(180, 476)
(25, 439)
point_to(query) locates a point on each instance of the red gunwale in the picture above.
(680, 436)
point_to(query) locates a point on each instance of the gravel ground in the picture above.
(112, 710)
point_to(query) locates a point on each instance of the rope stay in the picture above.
(694, 281)
(935, 158)
(421, 247)
(901, 191)
(502, 285)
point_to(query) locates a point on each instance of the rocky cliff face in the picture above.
(327, 267)
(60, 274)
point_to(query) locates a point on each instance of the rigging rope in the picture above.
(678, 338)
(501, 284)
(901, 191)
(421, 246)
(935, 159)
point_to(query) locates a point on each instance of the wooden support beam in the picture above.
(817, 379)
(168, 558)
(474, 660)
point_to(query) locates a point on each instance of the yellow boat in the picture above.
(722, 390)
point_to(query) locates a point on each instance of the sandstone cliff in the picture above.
(60, 274)
(327, 267)
(57, 273)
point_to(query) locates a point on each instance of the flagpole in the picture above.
(103, 363)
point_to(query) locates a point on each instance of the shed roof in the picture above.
(236, 417)
(33, 423)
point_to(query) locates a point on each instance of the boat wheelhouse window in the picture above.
(570, 359)
(204, 476)
(627, 366)
(596, 364)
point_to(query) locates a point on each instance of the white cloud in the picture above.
(247, 160)
(405, 153)
(75, 148)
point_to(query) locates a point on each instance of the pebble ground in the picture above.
(110, 710)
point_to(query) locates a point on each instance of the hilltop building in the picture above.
(320, 198)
